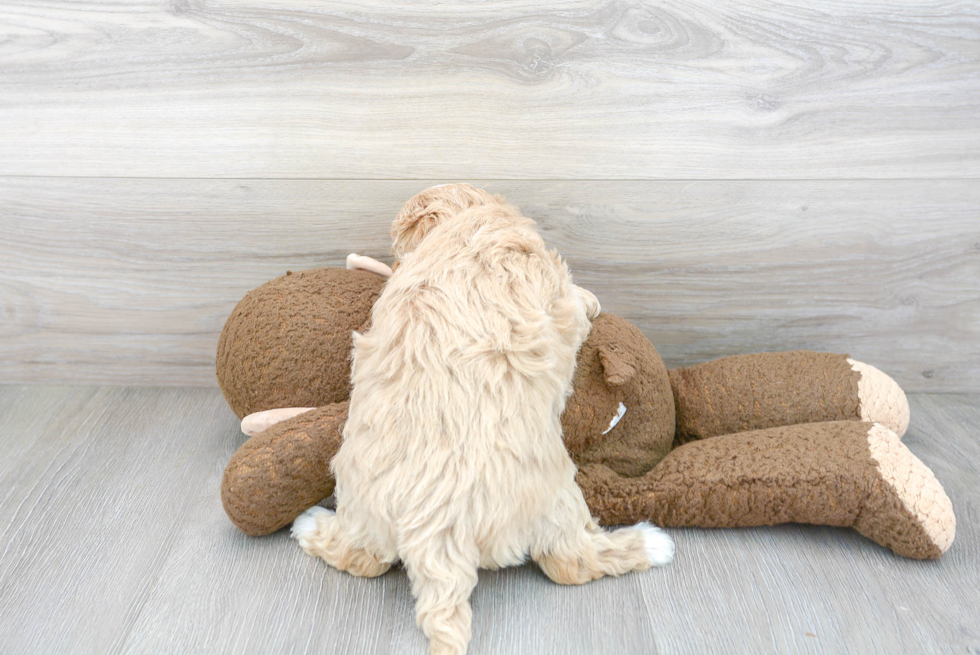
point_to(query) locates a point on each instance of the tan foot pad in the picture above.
(933, 524)
(880, 398)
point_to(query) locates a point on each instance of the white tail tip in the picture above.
(659, 545)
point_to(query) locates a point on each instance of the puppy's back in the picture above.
(460, 382)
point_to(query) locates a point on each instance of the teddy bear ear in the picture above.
(618, 364)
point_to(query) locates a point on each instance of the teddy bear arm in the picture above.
(843, 473)
(282, 471)
(752, 392)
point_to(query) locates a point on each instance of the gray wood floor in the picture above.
(113, 540)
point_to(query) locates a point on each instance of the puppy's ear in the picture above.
(429, 208)
(618, 364)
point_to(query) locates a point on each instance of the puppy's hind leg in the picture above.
(571, 549)
(324, 534)
(443, 571)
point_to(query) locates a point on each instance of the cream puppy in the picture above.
(453, 456)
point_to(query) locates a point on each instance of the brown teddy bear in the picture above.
(741, 441)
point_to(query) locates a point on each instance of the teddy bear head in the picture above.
(288, 342)
(621, 412)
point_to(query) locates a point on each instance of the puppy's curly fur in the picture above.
(453, 456)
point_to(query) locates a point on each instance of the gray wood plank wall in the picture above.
(733, 177)
(567, 89)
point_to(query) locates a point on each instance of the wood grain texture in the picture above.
(114, 540)
(96, 483)
(130, 280)
(592, 89)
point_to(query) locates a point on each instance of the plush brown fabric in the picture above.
(260, 470)
(752, 392)
(617, 364)
(819, 473)
(278, 474)
(288, 343)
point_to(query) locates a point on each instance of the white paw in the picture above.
(305, 524)
(660, 547)
(592, 306)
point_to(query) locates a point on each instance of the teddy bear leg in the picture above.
(753, 392)
(322, 533)
(842, 473)
(572, 549)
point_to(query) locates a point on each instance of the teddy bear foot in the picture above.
(880, 399)
(907, 509)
